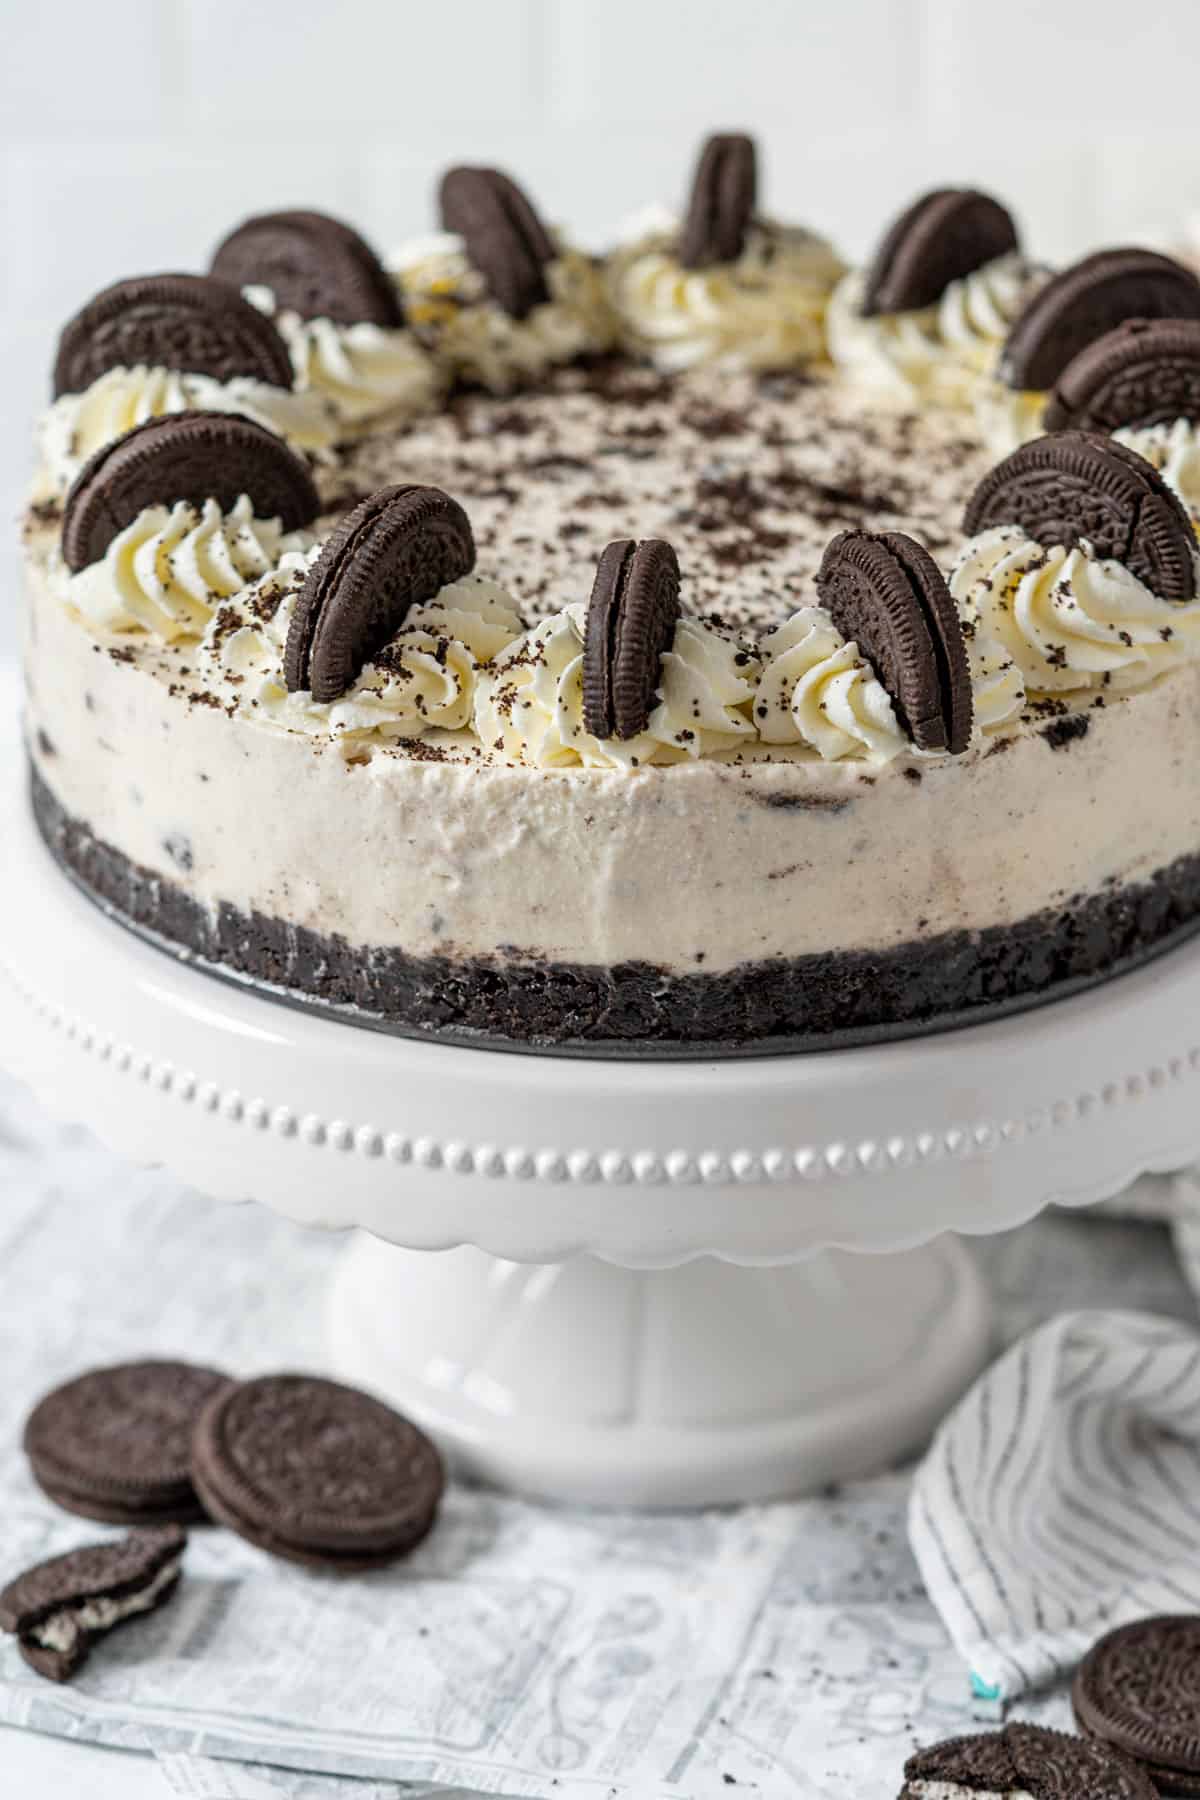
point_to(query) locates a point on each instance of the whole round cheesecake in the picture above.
(572, 656)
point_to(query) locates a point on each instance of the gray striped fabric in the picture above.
(1062, 1496)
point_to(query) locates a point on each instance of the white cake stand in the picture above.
(614, 1281)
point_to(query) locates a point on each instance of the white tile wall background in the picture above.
(133, 132)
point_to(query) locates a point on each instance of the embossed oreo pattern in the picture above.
(1075, 485)
(193, 323)
(1139, 1688)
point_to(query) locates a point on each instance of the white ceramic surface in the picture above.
(586, 1376)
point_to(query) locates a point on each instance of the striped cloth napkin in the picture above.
(1061, 1497)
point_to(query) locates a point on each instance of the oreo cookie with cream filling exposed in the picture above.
(1145, 372)
(394, 551)
(194, 456)
(115, 1443)
(316, 1472)
(505, 240)
(1083, 302)
(1139, 1689)
(888, 595)
(59, 1607)
(722, 202)
(1077, 485)
(631, 618)
(941, 237)
(313, 264)
(1023, 1760)
(193, 323)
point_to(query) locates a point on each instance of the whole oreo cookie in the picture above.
(505, 239)
(1086, 300)
(115, 1443)
(941, 237)
(193, 323)
(1139, 1689)
(722, 202)
(631, 617)
(194, 456)
(1145, 372)
(887, 594)
(316, 1472)
(1026, 1759)
(314, 265)
(58, 1607)
(1077, 484)
(394, 551)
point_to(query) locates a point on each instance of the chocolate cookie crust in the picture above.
(760, 1008)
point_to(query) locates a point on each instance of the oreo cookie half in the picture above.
(504, 237)
(941, 237)
(194, 456)
(631, 617)
(1048, 1765)
(394, 551)
(1139, 1689)
(59, 1607)
(316, 1472)
(722, 202)
(115, 1443)
(1145, 372)
(887, 594)
(1082, 302)
(1078, 484)
(193, 323)
(314, 265)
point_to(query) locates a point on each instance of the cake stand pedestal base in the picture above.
(583, 1381)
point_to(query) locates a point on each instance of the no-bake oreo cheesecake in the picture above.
(496, 642)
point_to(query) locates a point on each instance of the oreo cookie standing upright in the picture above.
(943, 236)
(722, 202)
(504, 239)
(1083, 302)
(115, 1443)
(316, 1472)
(886, 593)
(392, 552)
(192, 323)
(1077, 485)
(315, 266)
(1145, 372)
(631, 619)
(194, 456)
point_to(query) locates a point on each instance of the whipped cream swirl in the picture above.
(77, 425)
(764, 311)
(939, 353)
(168, 571)
(529, 703)
(818, 689)
(424, 679)
(364, 372)
(1174, 450)
(1071, 620)
(472, 339)
(1007, 417)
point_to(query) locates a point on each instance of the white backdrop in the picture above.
(133, 132)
